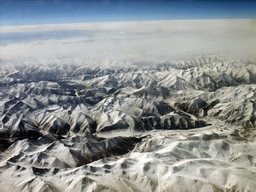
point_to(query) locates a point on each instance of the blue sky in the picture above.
(21, 12)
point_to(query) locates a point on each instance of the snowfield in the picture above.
(127, 122)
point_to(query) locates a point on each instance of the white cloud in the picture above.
(139, 41)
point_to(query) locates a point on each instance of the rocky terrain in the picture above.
(186, 125)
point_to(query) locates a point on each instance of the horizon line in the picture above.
(11, 27)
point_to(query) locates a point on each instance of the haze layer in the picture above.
(149, 41)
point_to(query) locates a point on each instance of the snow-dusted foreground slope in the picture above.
(187, 125)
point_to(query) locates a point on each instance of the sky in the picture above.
(36, 12)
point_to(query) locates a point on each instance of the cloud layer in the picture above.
(148, 41)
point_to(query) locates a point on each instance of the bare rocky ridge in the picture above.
(69, 121)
